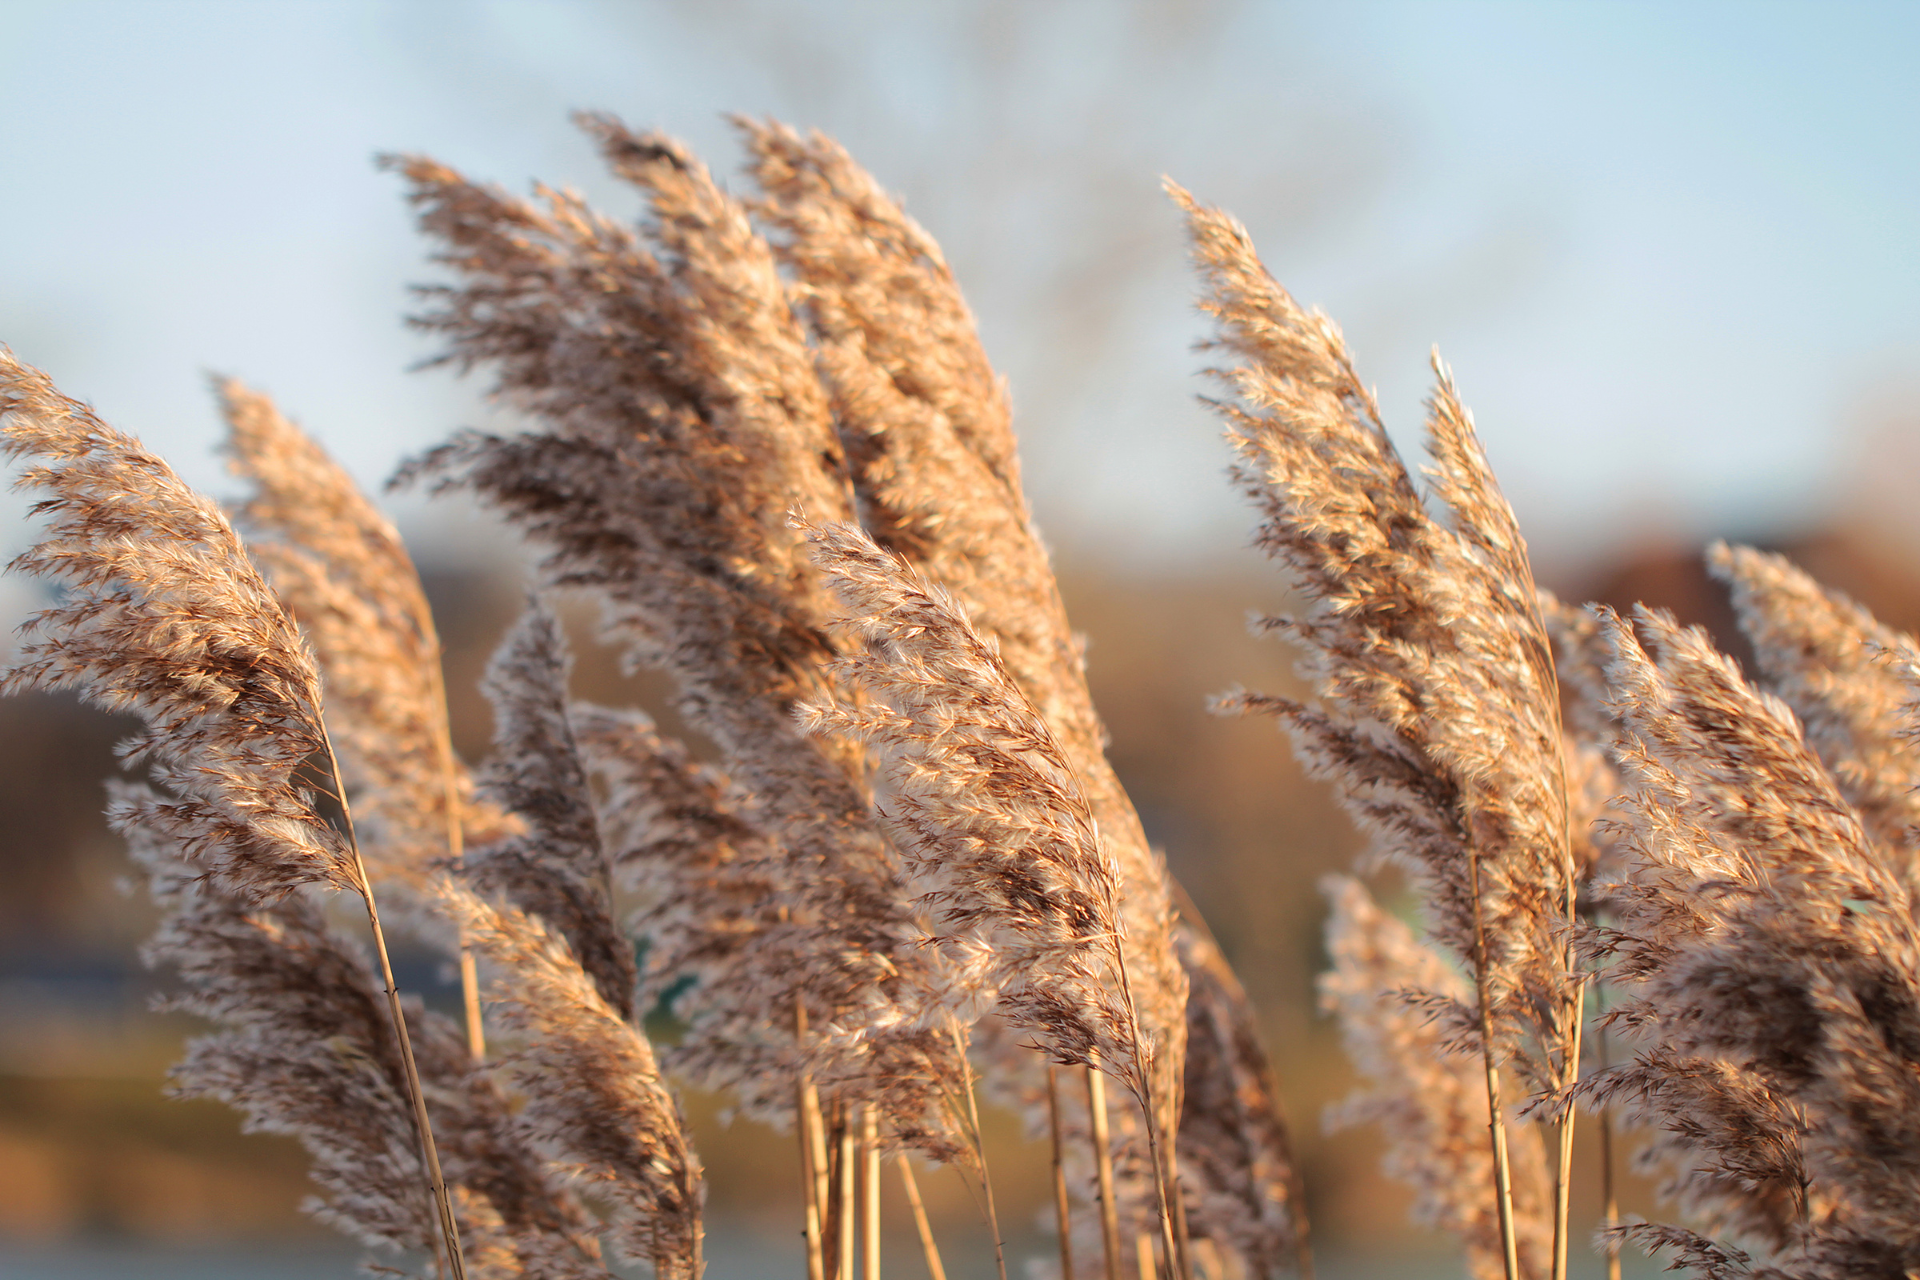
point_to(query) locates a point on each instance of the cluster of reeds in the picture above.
(763, 435)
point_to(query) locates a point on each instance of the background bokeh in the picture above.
(1669, 250)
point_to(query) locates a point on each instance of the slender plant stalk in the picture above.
(1177, 1213)
(849, 1218)
(1609, 1197)
(470, 1004)
(1569, 1071)
(1060, 1199)
(979, 1150)
(829, 1172)
(1143, 1255)
(1563, 1167)
(456, 848)
(429, 1154)
(1103, 1165)
(805, 1125)
(1496, 1121)
(870, 1192)
(927, 1246)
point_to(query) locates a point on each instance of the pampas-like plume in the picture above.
(342, 571)
(994, 827)
(680, 418)
(926, 426)
(1439, 717)
(593, 1095)
(1773, 966)
(928, 435)
(1828, 659)
(168, 619)
(1424, 1094)
(340, 568)
(557, 868)
(304, 1049)
(987, 812)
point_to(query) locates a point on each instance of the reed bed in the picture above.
(904, 882)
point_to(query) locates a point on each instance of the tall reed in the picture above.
(762, 433)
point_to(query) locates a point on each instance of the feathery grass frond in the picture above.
(679, 418)
(556, 868)
(926, 426)
(1828, 659)
(166, 618)
(340, 568)
(593, 1095)
(1773, 966)
(304, 1048)
(989, 816)
(1439, 716)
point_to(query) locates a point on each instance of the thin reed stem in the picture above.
(456, 844)
(1563, 1167)
(1610, 1204)
(1060, 1198)
(870, 1192)
(979, 1151)
(927, 1246)
(1103, 1167)
(470, 1004)
(1143, 1255)
(848, 1217)
(429, 1154)
(805, 1124)
(1496, 1121)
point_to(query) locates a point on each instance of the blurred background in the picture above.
(1669, 250)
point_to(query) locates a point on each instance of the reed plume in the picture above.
(165, 617)
(303, 1047)
(678, 419)
(556, 867)
(594, 1099)
(1837, 668)
(1772, 969)
(926, 426)
(1439, 718)
(996, 833)
(342, 571)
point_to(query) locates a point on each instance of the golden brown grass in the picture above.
(762, 434)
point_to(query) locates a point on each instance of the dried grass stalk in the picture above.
(556, 868)
(926, 426)
(593, 1095)
(1439, 718)
(1773, 974)
(166, 618)
(678, 418)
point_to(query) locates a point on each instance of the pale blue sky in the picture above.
(1670, 250)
